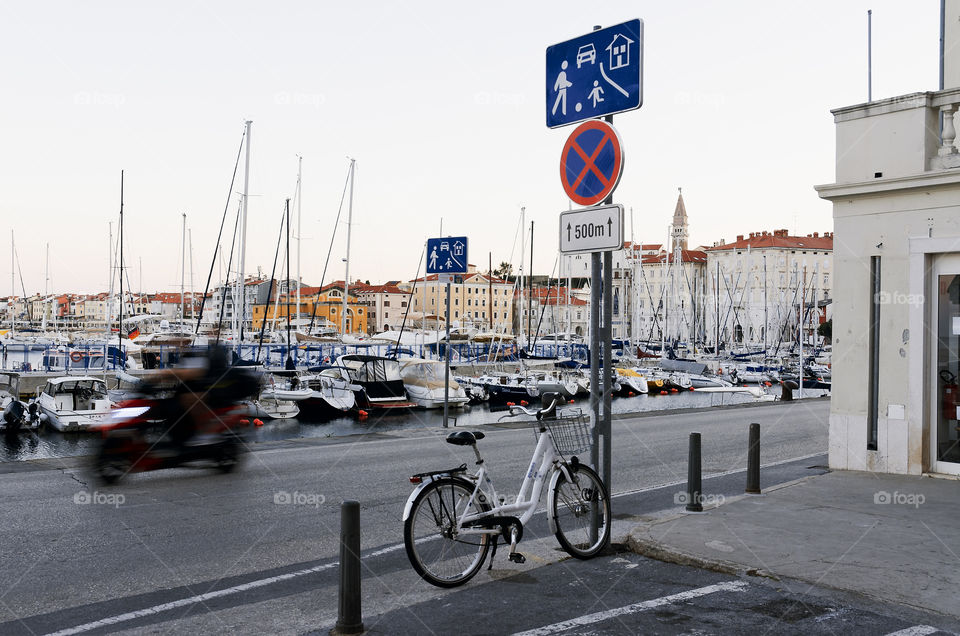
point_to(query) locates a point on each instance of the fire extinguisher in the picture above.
(949, 395)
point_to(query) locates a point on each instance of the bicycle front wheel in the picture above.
(439, 552)
(581, 510)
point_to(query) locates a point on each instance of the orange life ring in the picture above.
(76, 356)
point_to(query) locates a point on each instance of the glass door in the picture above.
(945, 328)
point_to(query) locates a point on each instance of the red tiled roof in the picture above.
(379, 289)
(553, 296)
(778, 239)
(686, 256)
(470, 279)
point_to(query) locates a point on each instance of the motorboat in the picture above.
(331, 394)
(553, 382)
(425, 384)
(381, 386)
(74, 403)
(509, 387)
(17, 415)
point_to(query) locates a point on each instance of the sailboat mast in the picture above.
(523, 225)
(530, 291)
(299, 206)
(192, 291)
(289, 356)
(243, 233)
(183, 269)
(120, 263)
(13, 284)
(346, 278)
(764, 305)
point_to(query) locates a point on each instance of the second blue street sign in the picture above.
(597, 74)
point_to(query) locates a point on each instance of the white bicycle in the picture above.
(451, 518)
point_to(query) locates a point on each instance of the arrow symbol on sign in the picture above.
(568, 232)
(610, 226)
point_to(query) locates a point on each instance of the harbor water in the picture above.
(47, 444)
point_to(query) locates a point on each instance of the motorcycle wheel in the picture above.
(111, 463)
(229, 457)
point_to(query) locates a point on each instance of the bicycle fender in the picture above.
(552, 492)
(427, 480)
(413, 496)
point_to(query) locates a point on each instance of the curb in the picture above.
(640, 542)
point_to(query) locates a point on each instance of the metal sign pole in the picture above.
(595, 388)
(606, 425)
(446, 370)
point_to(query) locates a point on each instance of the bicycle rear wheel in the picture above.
(581, 510)
(438, 552)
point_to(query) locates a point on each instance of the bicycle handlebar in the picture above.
(539, 413)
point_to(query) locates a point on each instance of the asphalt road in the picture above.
(190, 549)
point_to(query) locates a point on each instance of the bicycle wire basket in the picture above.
(572, 433)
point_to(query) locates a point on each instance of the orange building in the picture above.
(328, 301)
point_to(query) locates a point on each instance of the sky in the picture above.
(441, 105)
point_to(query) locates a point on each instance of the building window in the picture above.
(873, 379)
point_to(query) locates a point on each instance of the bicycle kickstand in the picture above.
(515, 556)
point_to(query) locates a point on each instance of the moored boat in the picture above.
(74, 403)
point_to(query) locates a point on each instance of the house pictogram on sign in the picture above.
(619, 50)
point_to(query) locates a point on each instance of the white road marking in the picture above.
(200, 598)
(916, 630)
(733, 586)
(184, 602)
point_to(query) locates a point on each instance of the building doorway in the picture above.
(945, 358)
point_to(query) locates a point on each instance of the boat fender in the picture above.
(630, 394)
(362, 414)
(245, 422)
(258, 422)
(663, 392)
(524, 403)
(511, 403)
(691, 389)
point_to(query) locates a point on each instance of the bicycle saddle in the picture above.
(464, 438)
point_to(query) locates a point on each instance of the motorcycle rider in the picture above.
(202, 387)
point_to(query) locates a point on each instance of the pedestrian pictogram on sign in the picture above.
(591, 162)
(447, 255)
(596, 74)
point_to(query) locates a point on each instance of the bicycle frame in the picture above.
(545, 461)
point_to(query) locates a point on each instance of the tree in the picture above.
(826, 330)
(504, 270)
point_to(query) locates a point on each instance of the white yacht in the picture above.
(424, 382)
(74, 403)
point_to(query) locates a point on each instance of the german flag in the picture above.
(133, 333)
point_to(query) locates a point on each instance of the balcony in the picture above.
(897, 138)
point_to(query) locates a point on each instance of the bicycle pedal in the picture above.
(516, 557)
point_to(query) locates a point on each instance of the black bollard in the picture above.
(694, 482)
(788, 387)
(753, 460)
(349, 620)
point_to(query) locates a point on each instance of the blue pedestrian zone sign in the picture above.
(447, 255)
(597, 74)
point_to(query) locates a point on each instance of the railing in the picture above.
(94, 358)
(948, 154)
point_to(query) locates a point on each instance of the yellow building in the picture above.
(476, 300)
(328, 301)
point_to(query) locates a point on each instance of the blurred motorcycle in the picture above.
(149, 433)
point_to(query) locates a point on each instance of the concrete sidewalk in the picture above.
(891, 537)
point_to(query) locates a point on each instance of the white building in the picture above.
(388, 305)
(763, 279)
(896, 331)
